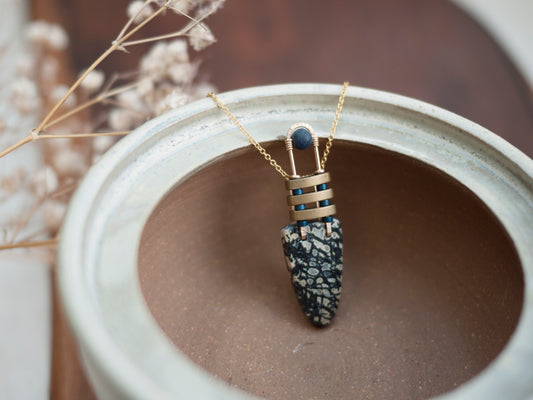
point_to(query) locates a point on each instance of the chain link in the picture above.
(334, 125)
(262, 150)
(254, 142)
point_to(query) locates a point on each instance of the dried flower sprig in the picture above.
(163, 81)
(121, 43)
(24, 245)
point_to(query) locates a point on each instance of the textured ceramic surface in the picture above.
(125, 352)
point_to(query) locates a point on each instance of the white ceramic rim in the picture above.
(122, 345)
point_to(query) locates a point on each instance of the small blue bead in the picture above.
(302, 138)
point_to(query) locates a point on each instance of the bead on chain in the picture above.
(262, 150)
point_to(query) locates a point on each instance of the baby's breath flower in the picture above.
(167, 61)
(181, 6)
(120, 119)
(138, 11)
(178, 50)
(53, 212)
(93, 81)
(49, 69)
(131, 99)
(44, 182)
(145, 86)
(154, 62)
(45, 34)
(182, 73)
(69, 163)
(25, 64)
(200, 36)
(209, 6)
(102, 143)
(24, 95)
(172, 100)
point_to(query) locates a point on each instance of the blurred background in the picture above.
(469, 56)
(430, 50)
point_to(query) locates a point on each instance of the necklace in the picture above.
(312, 242)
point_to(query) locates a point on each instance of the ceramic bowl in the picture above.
(173, 279)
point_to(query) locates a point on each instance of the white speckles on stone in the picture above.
(306, 244)
(316, 268)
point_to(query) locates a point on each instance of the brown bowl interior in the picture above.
(432, 284)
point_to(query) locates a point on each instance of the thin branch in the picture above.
(62, 191)
(121, 39)
(104, 95)
(154, 38)
(82, 135)
(181, 32)
(23, 223)
(184, 14)
(27, 139)
(130, 21)
(116, 44)
(72, 112)
(102, 57)
(37, 243)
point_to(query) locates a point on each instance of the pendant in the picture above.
(312, 244)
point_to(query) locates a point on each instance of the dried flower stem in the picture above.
(104, 95)
(181, 32)
(39, 243)
(121, 43)
(15, 146)
(64, 190)
(189, 16)
(83, 135)
(130, 21)
(115, 45)
(23, 223)
(155, 38)
(102, 57)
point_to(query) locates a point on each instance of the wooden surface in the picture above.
(68, 381)
(427, 50)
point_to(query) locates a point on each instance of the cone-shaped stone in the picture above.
(315, 265)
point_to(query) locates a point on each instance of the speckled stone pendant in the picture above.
(313, 243)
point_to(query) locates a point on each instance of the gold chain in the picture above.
(334, 125)
(262, 150)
